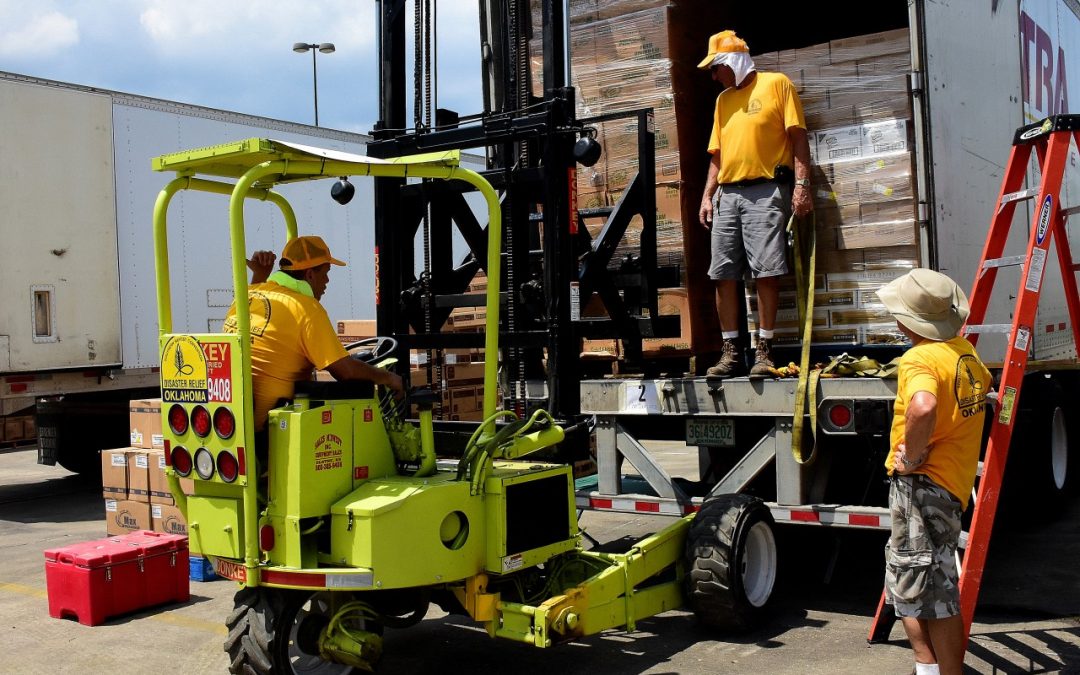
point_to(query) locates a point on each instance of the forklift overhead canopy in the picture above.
(233, 160)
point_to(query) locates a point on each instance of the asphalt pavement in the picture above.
(830, 582)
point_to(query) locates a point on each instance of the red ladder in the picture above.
(1050, 139)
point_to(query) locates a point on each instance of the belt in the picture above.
(749, 182)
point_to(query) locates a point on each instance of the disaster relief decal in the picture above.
(970, 396)
(328, 452)
(196, 372)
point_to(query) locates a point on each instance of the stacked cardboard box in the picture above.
(137, 495)
(855, 93)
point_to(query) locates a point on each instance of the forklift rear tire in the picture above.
(274, 631)
(731, 562)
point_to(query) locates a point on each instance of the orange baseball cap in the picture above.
(306, 252)
(723, 42)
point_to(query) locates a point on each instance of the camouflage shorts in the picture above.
(921, 577)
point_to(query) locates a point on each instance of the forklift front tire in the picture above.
(731, 562)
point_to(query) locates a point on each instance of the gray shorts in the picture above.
(750, 227)
(921, 577)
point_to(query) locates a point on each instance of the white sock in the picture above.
(927, 669)
(729, 334)
(767, 334)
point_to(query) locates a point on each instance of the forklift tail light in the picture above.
(178, 419)
(227, 466)
(181, 461)
(266, 537)
(241, 460)
(224, 423)
(200, 421)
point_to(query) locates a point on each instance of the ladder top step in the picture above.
(1005, 328)
(1019, 195)
(1008, 261)
(1030, 133)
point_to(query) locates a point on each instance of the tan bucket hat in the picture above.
(929, 303)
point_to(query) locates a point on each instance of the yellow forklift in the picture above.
(353, 524)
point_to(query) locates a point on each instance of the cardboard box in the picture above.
(167, 518)
(138, 475)
(145, 420)
(871, 45)
(114, 473)
(354, 330)
(159, 483)
(13, 429)
(123, 516)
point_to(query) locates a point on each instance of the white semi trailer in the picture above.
(78, 322)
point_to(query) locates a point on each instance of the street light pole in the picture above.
(325, 48)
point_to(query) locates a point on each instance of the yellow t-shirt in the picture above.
(952, 372)
(750, 127)
(290, 334)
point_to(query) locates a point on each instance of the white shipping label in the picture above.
(155, 511)
(157, 440)
(1035, 272)
(110, 505)
(119, 459)
(142, 462)
(575, 302)
(641, 397)
(1023, 339)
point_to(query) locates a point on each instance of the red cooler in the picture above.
(95, 580)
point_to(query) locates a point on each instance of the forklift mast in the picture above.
(551, 266)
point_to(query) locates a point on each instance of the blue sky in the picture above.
(232, 54)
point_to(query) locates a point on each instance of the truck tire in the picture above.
(1038, 470)
(274, 631)
(731, 562)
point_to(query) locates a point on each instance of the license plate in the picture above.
(230, 570)
(714, 432)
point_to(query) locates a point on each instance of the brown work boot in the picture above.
(730, 363)
(762, 362)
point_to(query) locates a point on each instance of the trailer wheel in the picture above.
(1039, 468)
(732, 562)
(276, 631)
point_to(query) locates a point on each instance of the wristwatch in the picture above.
(805, 182)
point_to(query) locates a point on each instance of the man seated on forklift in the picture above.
(291, 332)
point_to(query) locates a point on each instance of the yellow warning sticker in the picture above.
(1008, 399)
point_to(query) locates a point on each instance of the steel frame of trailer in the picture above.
(616, 402)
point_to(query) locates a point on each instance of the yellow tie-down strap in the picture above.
(802, 232)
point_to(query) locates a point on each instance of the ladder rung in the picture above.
(988, 328)
(962, 543)
(1019, 195)
(1072, 210)
(1008, 261)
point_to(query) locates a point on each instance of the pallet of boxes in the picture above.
(16, 430)
(137, 495)
(630, 55)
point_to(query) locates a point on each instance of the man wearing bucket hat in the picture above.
(291, 332)
(934, 452)
(759, 173)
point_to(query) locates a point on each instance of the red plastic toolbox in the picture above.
(95, 580)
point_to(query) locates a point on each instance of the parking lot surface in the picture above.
(829, 586)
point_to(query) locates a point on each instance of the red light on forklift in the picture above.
(200, 421)
(224, 423)
(242, 461)
(178, 419)
(840, 415)
(227, 466)
(181, 461)
(266, 537)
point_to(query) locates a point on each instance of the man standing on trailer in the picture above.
(290, 330)
(759, 173)
(935, 441)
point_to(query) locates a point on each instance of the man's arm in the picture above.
(348, 368)
(919, 421)
(711, 184)
(801, 201)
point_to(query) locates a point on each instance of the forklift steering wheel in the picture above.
(372, 349)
